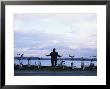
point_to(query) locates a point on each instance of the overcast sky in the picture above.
(38, 34)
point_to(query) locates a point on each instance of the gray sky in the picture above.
(37, 34)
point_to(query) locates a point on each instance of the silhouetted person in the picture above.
(54, 56)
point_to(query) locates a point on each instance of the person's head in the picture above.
(53, 49)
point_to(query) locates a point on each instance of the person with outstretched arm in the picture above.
(54, 56)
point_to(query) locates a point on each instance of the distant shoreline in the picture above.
(75, 59)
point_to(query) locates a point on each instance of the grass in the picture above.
(49, 68)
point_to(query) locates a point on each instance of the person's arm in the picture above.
(49, 54)
(58, 55)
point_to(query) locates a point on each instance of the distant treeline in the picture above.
(38, 58)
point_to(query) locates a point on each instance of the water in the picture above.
(67, 63)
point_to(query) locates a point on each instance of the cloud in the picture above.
(35, 33)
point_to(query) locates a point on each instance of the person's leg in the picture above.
(52, 63)
(55, 62)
